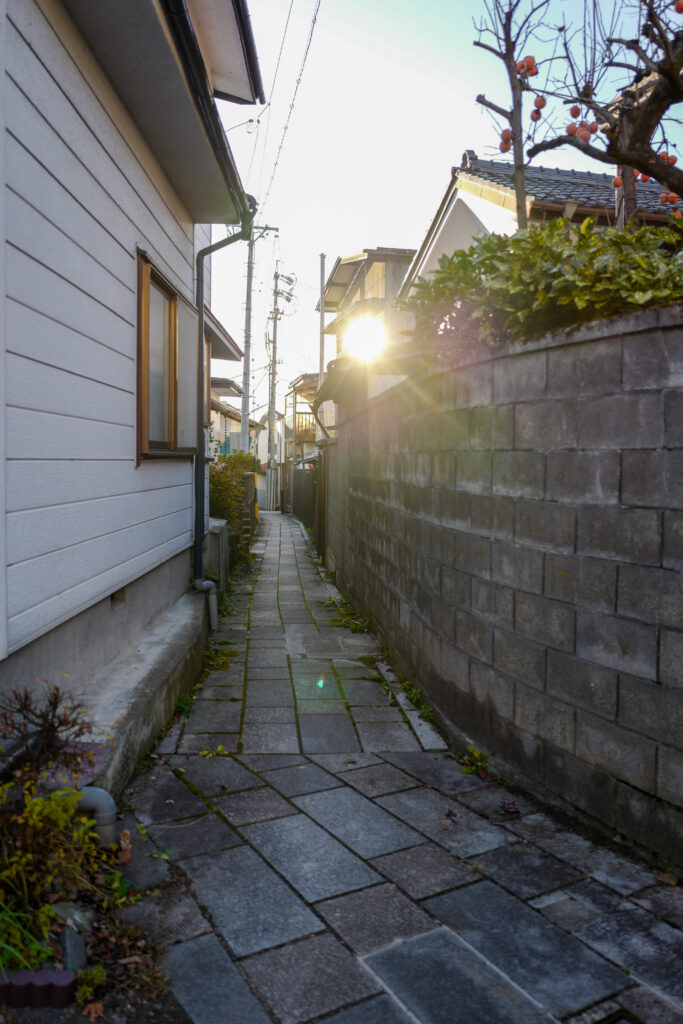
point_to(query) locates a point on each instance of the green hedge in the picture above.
(550, 276)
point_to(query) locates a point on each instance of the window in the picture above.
(168, 353)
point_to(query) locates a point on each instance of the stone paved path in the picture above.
(339, 867)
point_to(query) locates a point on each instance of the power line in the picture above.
(270, 100)
(291, 106)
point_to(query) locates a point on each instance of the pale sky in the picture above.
(385, 107)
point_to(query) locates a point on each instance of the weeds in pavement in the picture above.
(349, 618)
(474, 762)
(414, 695)
(212, 751)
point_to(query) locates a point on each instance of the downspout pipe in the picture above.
(100, 804)
(200, 584)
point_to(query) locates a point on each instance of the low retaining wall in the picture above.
(514, 526)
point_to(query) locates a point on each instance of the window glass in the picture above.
(187, 376)
(160, 340)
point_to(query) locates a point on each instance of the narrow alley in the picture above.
(340, 866)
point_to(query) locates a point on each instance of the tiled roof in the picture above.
(555, 185)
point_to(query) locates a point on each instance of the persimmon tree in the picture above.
(505, 30)
(620, 77)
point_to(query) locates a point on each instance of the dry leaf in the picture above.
(93, 1011)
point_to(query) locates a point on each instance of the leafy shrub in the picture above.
(548, 277)
(49, 849)
(226, 490)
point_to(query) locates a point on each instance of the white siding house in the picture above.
(112, 162)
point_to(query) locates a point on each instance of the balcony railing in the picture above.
(304, 427)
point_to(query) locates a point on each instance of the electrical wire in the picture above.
(291, 105)
(270, 100)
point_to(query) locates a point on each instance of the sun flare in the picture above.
(365, 339)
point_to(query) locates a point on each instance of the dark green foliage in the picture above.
(551, 276)
(226, 491)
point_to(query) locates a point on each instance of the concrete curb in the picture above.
(143, 687)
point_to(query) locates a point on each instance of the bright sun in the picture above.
(364, 339)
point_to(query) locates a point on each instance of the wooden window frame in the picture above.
(147, 449)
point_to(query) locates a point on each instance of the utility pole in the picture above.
(271, 479)
(246, 370)
(322, 319)
(272, 471)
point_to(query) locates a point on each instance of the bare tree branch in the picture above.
(507, 114)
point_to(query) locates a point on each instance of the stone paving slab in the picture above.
(221, 986)
(256, 714)
(231, 693)
(441, 980)
(193, 837)
(171, 916)
(425, 870)
(252, 805)
(374, 918)
(214, 774)
(343, 762)
(558, 971)
(377, 779)
(274, 738)
(309, 978)
(252, 908)
(363, 692)
(604, 865)
(308, 688)
(647, 947)
(327, 734)
(525, 870)
(358, 822)
(314, 863)
(330, 706)
(379, 736)
(195, 743)
(380, 1010)
(376, 713)
(301, 779)
(664, 901)
(434, 769)
(496, 802)
(265, 762)
(159, 796)
(446, 822)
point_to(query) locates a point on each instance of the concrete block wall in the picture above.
(513, 524)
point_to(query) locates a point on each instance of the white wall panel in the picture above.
(82, 191)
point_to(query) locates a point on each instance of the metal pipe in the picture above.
(101, 805)
(321, 373)
(209, 587)
(200, 458)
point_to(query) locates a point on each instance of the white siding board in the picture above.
(44, 290)
(83, 65)
(37, 483)
(68, 102)
(40, 435)
(38, 386)
(39, 618)
(34, 132)
(53, 201)
(83, 192)
(34, 581)
(33, 235)
(39, 337)
(3, 336)
(46, 530)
